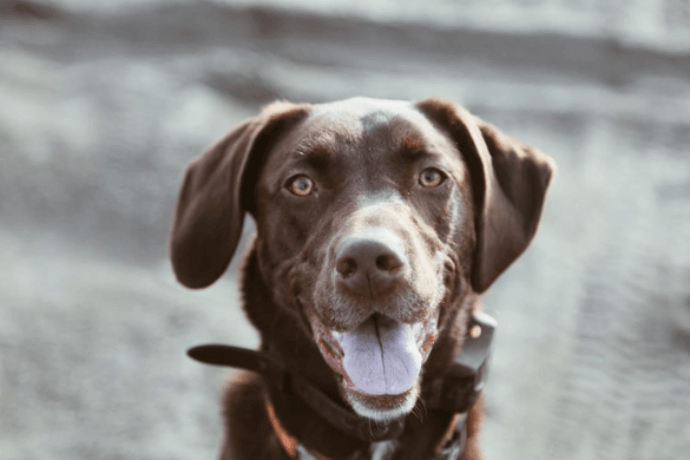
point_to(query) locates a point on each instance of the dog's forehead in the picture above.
(365, 114)
(359, 129)
(365, 123)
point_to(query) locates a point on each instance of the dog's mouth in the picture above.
(380, 361)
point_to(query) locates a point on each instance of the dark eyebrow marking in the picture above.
(413, 147)
(318, 156)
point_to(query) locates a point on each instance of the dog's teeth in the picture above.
(336, 335)
(417, 329)
(332, 338)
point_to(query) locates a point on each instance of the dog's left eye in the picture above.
(431, 177)
(300, 185)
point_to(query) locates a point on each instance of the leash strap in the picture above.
(456, 444)
(289, 443)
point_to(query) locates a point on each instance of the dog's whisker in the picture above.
(419, 410)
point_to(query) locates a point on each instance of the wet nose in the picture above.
(370, 263)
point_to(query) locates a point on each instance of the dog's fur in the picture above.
(454, 228)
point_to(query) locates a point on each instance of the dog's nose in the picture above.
(370, 263)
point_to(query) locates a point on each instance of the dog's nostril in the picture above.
(346, 267)
(370, 264)
(388, 263)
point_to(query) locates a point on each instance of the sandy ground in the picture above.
(100, 110)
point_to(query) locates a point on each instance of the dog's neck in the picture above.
(285, 338)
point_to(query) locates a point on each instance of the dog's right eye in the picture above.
(431, 177)
(300, 185)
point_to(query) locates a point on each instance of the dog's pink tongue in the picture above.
(381, 356)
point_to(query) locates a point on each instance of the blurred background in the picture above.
(103, 103)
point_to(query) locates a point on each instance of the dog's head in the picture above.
(374, 220)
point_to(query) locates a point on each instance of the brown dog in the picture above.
(379, 224)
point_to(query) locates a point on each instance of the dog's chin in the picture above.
(382, 408)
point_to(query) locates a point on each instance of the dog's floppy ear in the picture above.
(510, 180)
(215, 194)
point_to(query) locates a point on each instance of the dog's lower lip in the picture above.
(426, 345)
(425, 335)
(333, 349)
(356, 391)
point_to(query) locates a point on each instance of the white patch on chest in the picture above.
(382, 450)
(378, 451)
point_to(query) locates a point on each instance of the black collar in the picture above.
(461, 387)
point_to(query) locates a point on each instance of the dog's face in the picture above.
(374, 220)
(365, 217)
